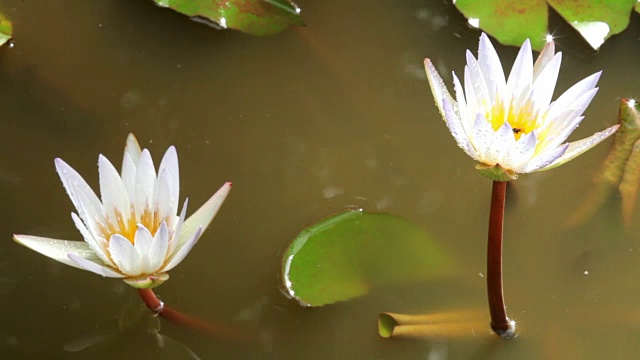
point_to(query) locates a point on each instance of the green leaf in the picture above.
(255, 17)
(345, 255)
(595, 20)
(513, 21)
(6, 30)
(509, 21)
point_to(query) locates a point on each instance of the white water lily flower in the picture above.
(511, 126)
(134, 233)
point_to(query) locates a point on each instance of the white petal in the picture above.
(115, 200)
(544, 58)
(158, 250)
(125, 256)
(163, 203)
(501, 145)
(458, 132)
(482, 136)
(566, 118)
(183, 250)
(465, 118)
(475, 79)
(145, 183)
(438, 88)
(522, 151)
(174, 238)
(491, 67)
(474, 104)
(544, 158)
(544, 85)
(169, 163)
(84, 199)
(132, 148)
(129, 175)
(203, 217)
(571, 95)
(576, 148)
(521, 75)
(94, 267)
(98, 245)
(57, 249)
(142, 244)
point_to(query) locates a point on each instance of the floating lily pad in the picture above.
(509, 21)
(513, 21)
(345, 255)
(6, 30)
(255, 17)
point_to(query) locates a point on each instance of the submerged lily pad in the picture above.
(6, 30)
(345, 255)
(255, 17)
(513, 21)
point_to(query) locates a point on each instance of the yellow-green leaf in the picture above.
(345, 255)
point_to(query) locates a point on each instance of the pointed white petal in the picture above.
(501, 145)
(183, 250)
(132, 148)
(145, 183)
(521, 75)
(465, 118)
(474, 104)
(571, 95)
(158, 250)
(125, 256)
(203, 217)
(544, 58)
(491, 67)
(522, 151)
(482, 136)
(94, 267)
(566, 118)
(98, 245)
(115, 200)
(175, 237)
(84, 199)
(438, 88)
(545, 158)
(576, 148)
(560, 135)
(129, 175)
(479, 84)
(56, 249)
(169, 163)
(458, 132)
(142, 244)
(163, 203)
(544, 85)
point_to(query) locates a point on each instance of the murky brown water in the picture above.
(305, 124)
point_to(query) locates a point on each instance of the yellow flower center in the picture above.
(523, 119)
(128, 227)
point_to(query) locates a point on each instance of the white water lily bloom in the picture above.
(510, 125)
(134, 233)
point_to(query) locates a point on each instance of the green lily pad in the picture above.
(6, 30)
(509, 21)
(513, 21)
(255, 17)
(346, 255)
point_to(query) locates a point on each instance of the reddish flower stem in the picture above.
(500, 323)
(158, 307)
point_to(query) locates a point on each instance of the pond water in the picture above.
(306, 123)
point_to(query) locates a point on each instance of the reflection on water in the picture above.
(305, 123)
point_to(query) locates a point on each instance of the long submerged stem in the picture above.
(500, 323)
(158, 307)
